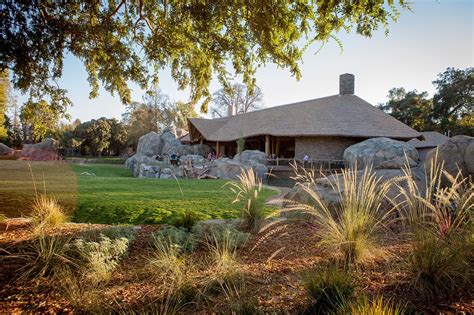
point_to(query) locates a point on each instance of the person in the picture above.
(305, 160)
(173, 159)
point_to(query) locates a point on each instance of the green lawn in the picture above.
(114, 196)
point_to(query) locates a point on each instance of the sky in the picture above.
(437, 34)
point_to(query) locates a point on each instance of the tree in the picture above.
(239, 97)
(411, 108)
(38, 120)
(118, 136)
(454, 98)
(95, 136)
(125, 41)
(450, 110)
(155, 113)
(4, 92)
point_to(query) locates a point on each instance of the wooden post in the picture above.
(267, 145)
(202, 141)
(217, 148)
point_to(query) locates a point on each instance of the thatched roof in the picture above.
(339, 115)
(432, 139)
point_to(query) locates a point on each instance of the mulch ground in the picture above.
(272, 266)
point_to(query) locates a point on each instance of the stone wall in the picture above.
(323, 147)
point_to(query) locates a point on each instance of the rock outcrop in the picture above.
(457, 153)
(381, 152)
(46, 150)
(232, 168)
(153, 150)
(5, 150)
(386, 156)
(251, 156)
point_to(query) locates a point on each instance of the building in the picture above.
(322, 128)
(432, 139)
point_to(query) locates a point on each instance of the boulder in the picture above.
(231, 169)
(46, 150)
(324, 186)
(5, 150)
(194, 158)
(378, 151)
(457, 153)
(150, 144)
(149, 171)
(397, 163)
(133, 163)
(251, 156)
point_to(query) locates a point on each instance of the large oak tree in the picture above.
(124, 41)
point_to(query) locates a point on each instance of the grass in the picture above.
(351, 228)
(438, 218)
(247, 190)
(17, 191)
(330, 290)
(113, 196)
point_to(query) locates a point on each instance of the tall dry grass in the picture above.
(45, 210)
(247, 190)
(438, 216)
(353, 225)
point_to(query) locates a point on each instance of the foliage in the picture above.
(43, 256)
(154, 114)
(78, 289)
(99, 258)
(439, 220)
(410, 107)
(178, 238)
(46, 212)
(376, 306)
(450, 109)
(454, 98)
(240, 145)
(95, 135)
(225, 266)
(353, 226)
(122, 42)
(38, 120)
(167, 260)
(216, 233)
(330, 288)
(4, 91)
(105, 198)
(187, 219)
(247, 191)
(238, 97)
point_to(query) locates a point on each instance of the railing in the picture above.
(316, 164)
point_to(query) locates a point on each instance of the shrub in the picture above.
(112, 232)
(352, 227)
(178, 238)
(186, 220)
(167, 260)
(438, 217)
(77, 288)
(247, 190)
(99, 258)
(223, 254)
(215, 233)
(375, 306)
(46, 212)
(331, 289)
(43, 256)
(3, 218)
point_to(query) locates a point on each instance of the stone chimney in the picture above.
(230, 110)
(346, 84)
